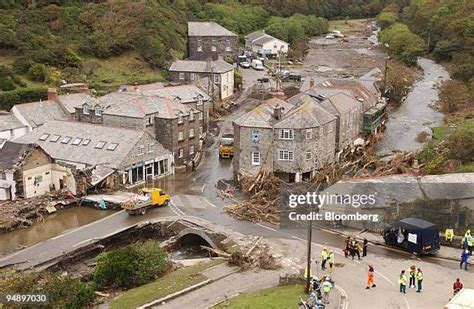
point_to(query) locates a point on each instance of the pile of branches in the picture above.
(264, 199)
(258, 255)
(358, 163)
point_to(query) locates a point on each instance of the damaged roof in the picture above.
(209, 28)
(197, 66)
(86, 143)
(12, 153)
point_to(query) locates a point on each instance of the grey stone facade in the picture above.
(211, 47)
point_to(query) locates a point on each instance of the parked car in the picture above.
(257, 65)
(294, 76)
(330, 36)
(263, 80)
(245, 65)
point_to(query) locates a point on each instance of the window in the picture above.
(140, 150)
(98, 110)
(199, 102)
(200, 116)
(275, 46)
(77, 141)
(228, 49)
(180, 119)
(44, 137)
(86, 142)
(149, 121)
(85, 109)
(191, 115)
(282, 46)
(3, 175)
(191, 150)
(200, 131)
(255, 137)
(286, 134)
(191, 133)
(199, 48)
(216, 78)
(180, 153)
(112, 146)
(255, 158)
(285, 155)
(309, 155)
(37, 180)
(65, 140)
(150, 147)
(100, 145)
(55, 138)
(309, 133)
(180, 136)
(191, 76)
(213, 48)
(181, 76)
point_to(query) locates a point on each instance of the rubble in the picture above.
(263, 203)
(22, 212)
(257, 256)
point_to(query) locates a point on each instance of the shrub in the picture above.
(6, 84)
(454, 96)
(432, 160)
(460, 143)
(38, 73)
(10, 98)
(131, 266)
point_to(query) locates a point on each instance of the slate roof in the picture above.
(86, 154)
(357, 89)
(305, 115)
(9, 122)
(254, 35)
(11, 154)
(207, 29)
(196, 66)
(260, 38)
(262, 115)
(136, 105)
(339, 103)
(70, 101)
(186, 93)
(38, 113)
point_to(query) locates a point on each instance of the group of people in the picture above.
(415, 276)
(327, 258)
(320, 289)
(467, 241)
(353, 248)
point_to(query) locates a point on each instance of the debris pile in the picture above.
(22, 212)
(258, 255)
(264, 201)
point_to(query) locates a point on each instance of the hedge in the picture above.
(10, 98)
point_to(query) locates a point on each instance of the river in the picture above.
(53, 225)
(415, 113)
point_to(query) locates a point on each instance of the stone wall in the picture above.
(224, 46)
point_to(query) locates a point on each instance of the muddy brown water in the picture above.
(52, 226)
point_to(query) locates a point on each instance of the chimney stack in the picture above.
(277, 112)
(311, 83)
(52, 94)
(85, 88)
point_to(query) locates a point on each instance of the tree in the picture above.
(454, 96)
(38, 73)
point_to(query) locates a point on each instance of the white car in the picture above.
(245, 65)
(330, 36)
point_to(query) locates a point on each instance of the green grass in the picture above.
(352, 25)
(280, 297)
(440, 132)
(466, 168)
(168, 284)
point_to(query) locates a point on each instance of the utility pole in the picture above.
(308, 258)
(385, 75)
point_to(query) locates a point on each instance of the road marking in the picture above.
(212, 205)
(177, 211)
(406, 302)
(387, 279)
(344, 294)
(203, 187)
(266, 227)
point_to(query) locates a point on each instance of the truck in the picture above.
(226, 146)
(257, 65)
(146, 198)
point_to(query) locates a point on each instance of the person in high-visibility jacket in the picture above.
(324, 257)
(470, 241)
(419, 279)
(326, 287)
(370, 277)
(449, 234)
(402, 280)
(331, 260)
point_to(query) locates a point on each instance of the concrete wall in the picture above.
(224, 45)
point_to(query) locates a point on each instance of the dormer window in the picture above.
(85, 109)
(199, 101)
(98, 110)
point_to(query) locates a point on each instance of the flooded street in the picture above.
(53, 225)
(415, 113)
